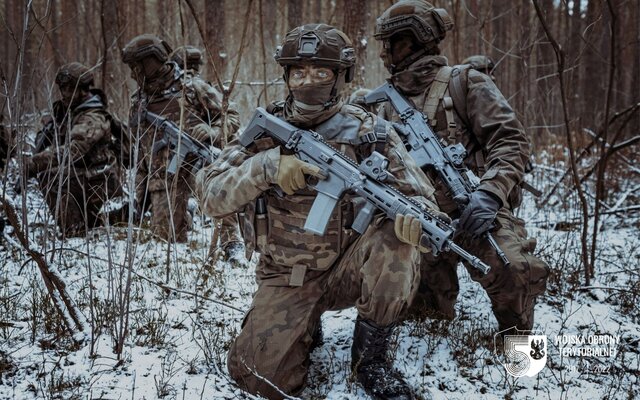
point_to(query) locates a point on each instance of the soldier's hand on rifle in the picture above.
(292, 171)
(204, 133)
(479, 213)
(409, 230)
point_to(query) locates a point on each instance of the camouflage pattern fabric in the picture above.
(301, 275)
(377, 274)
(498, 150)
(192, 104)
(78, 176)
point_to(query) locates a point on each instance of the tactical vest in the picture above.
(445, 106)
(275, 223)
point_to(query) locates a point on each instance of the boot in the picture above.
(371, 365)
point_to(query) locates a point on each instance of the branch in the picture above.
(71, 316)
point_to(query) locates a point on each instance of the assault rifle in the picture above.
(426, 149)
(342, 175)
(179, 143)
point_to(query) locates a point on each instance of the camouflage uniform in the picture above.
(194, 106)
(481, 63)
(78, 170)
(497, 151)
(301, 275)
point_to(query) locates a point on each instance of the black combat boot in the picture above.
(371, 365)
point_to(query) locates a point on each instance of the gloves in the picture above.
(409, 230)
(291, 173)
(204, 133)
(479, 214)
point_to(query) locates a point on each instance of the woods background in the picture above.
(599, 37)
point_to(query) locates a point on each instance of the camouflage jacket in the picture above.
(243, 179)
(497, 147)
(188, 101)
(194, 106)
(82, 139)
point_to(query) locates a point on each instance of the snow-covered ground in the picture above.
(185, 312)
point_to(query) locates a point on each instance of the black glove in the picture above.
(479, 214)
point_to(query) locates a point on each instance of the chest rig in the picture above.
(178, 100)
(278, 220)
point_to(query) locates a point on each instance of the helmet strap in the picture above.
(402, 65)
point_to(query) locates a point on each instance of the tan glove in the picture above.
(409, 230)
(291, 173)
(204, 133)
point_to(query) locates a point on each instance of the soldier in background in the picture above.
(464, 106)
(191, 104)
(301, 275)
(74, 160)
(481, 63)
(191, 58)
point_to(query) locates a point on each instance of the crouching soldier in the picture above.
(301, 275)
(74, 159)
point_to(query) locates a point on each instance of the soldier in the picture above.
(188, 57)
(464, 106)
(481, 63)
(193, 105)
(301, 275)
(74, 160)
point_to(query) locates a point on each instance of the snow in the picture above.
(177, 342)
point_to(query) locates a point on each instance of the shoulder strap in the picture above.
(458, 91)
(436, 93)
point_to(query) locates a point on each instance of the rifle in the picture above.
(342, 175)
(426, 148)
(179, 143)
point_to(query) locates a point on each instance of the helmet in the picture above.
(428, 24)
(144, 46)
(189, 54)
(74, 74)
(318, 44)
(480, 63)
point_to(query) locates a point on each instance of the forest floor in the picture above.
(179, 332)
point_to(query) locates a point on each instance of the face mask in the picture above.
(313, 94)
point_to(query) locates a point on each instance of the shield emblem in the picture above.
(524, 355)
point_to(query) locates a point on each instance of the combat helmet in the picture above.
(429, 25)
(74, 74)
(318, 44)
(189, 54)
(143, 46)
(481, 63)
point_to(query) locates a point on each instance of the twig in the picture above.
(71, 316)
(572, 157)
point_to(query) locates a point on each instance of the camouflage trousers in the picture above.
(512, 289)
(168, 197)
(77, 203)
(229, 230)
(377, 274)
